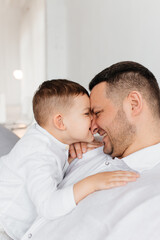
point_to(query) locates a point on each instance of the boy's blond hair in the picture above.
(54, 94)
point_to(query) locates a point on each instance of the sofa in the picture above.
(7, 140)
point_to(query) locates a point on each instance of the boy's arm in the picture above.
(101, 181)
(42, 177)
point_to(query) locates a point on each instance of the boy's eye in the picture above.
(87, 113)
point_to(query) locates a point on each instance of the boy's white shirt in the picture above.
(29, 177)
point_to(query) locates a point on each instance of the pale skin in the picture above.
(64, 126)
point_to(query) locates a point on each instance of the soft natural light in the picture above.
(18, 74)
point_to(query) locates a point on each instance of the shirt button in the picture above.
(29, 235)
(107, 163)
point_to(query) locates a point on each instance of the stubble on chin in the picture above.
(108, 149)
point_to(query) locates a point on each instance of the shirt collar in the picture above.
(144, 159)
(52, 138)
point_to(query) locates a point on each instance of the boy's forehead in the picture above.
(82, 100)
(81, 97)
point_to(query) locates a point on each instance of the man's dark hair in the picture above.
(54, 94)
(124, 77)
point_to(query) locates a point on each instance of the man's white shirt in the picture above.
(129, 212)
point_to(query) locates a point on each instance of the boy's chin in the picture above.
(87, 140)
(90, 139)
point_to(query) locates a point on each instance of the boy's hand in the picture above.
(106, 180)
(77, 149)
(101, 181)
(70, 159)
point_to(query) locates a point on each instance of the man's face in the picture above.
(111, 122)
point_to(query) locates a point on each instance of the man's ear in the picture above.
(58, 122)
(135, 102)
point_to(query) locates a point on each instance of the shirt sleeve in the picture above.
(43, 177)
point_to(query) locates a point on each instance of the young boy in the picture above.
(31, 172)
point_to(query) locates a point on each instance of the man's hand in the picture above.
(77, 149)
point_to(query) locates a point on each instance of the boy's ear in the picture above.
(58, 121)
(135, 102)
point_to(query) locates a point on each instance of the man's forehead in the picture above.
(100, 88)
(98, 93)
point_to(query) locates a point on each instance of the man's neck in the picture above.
(145, 138)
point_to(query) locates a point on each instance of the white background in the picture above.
(72, 39)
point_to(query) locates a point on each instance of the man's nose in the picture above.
(94, 126)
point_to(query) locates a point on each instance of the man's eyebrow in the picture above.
(93, 110)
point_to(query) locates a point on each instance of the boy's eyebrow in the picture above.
(87, 108)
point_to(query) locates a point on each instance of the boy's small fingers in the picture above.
(72, 151)
(116, 184)
(127, 173)
(124, 178)
(120, 183)
(78, 150)
(133, 175)
(84, 147)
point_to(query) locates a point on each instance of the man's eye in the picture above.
(87, 113)
(97, 113)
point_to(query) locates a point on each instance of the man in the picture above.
(125, 101)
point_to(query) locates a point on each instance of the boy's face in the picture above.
(78, 120)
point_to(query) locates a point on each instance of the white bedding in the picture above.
(131, 212)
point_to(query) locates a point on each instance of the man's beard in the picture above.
(122, 134)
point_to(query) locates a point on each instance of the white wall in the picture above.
(80, 38)
(9, 52)
(93, 34)
(22, 46)
(56, 36)
(32, 52)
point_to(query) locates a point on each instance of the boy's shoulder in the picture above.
(35, 132)
(34, 140)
